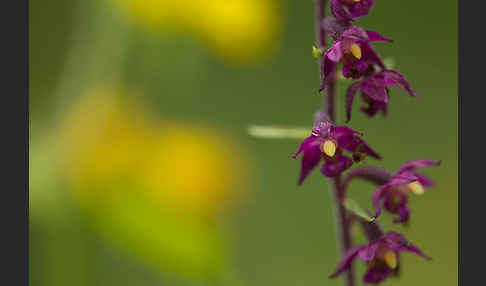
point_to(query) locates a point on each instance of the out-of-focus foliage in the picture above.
(149, 186)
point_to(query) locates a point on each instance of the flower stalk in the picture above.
(338, 193)
(340, 147)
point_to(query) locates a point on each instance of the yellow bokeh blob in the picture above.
(237, 30)
(182, 166)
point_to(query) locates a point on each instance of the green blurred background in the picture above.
(141, 169)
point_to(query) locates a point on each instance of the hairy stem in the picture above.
(342, 220)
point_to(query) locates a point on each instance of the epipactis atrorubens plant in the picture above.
(337, 147)
(341, 147)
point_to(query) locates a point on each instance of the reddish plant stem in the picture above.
(343, 225)
(342, 219)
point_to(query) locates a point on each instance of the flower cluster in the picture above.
(327, 142)
(340, 147)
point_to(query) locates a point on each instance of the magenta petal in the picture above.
(350, 94)
(398, 242)
(355, 33)
(308, 143)
(376, 37)
(424, 181)
(369, 252)
(335, 53)
(413, 249)
(419, 163)
(310, 160)
(395, 240)
(395, 78)
(347, 260)
(376, 275)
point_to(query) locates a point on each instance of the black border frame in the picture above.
(14, 118)
(471, 146)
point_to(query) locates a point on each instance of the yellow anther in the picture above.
(355, 50)
(391, 259)
(329, 148)
(416, 188)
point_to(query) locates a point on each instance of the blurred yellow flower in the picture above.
(152, 187)
(188, 165)
(237, 30)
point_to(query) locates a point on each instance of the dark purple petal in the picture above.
(394, 240)
(376, 37)
(370, 55)
(369, 151)
(308, 143)
(404, 214)
(374, 90)
(375, 107)
(327, 67)
(419, 163)
(337, 9)
(395, 78)
(354, 143)
(361, 8)
(310, 160)
(336, 167)
(376, 274)
(347, 260)
(355, 68)
(350, 94)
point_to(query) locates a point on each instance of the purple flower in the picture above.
(382, 257)
(346, 10)
(394, 194)
(374, 90)
(353, 50)
(327, 142)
